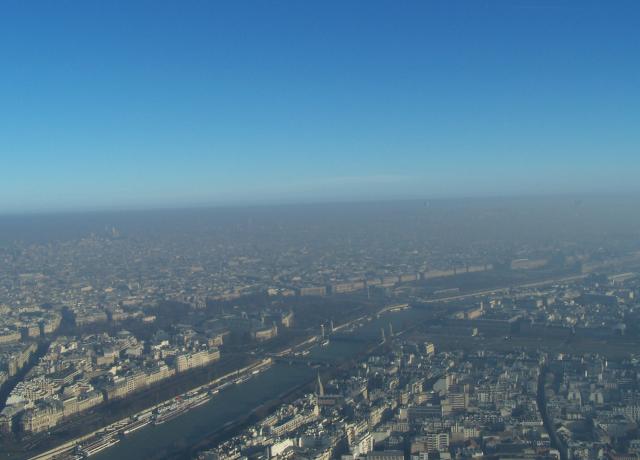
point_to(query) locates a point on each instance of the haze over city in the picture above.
(336, 230)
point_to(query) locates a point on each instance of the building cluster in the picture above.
(13, 357)
(20, 328)
(62, 294)
(595, 306)
(594, 405)
(26, 323)
(112, 276)
(386, 280)
(79, 373)
(408, 402)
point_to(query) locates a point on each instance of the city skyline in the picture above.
(124, 106)
(337, 230)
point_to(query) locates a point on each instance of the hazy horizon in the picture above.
(337, 230)
(155, 104)
(469, 219)
(310, 203)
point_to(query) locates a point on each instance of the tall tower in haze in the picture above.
(320, 386)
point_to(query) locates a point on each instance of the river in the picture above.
(238, 400)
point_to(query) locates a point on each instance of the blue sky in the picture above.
(124, 104)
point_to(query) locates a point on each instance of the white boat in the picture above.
(136, 426)
(180, 408)
(99, 446)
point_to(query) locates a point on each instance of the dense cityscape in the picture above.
(405, 343)
(320, 230)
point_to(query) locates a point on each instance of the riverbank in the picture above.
(109, 432)
(204, 426)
